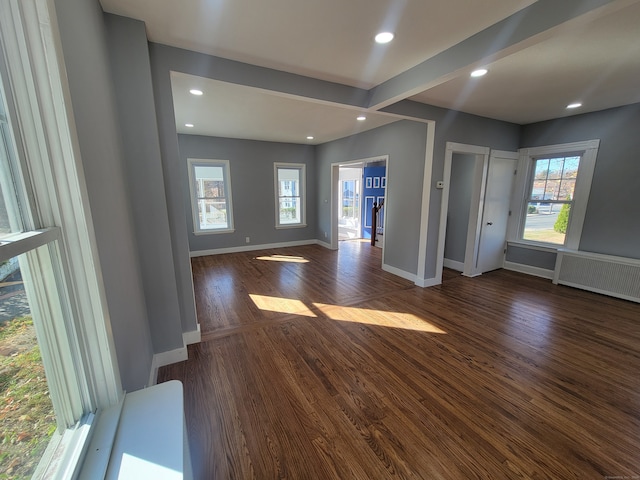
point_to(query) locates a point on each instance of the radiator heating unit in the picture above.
(606, 274)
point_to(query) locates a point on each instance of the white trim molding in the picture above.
(529, 270)
(194, 336)
(166, 358)
(251, 248)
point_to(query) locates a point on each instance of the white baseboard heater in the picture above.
(606, 274)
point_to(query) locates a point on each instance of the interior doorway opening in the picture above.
(350, 202)
(356, 186)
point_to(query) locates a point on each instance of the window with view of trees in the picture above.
(289, 188)
(552, 190)
(210, 196)
(550, 199)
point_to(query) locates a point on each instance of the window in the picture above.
(550, 199)
(210, 184)
(290, 199)
(45, 242)
(554, 182)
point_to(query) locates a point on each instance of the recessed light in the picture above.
(574, 105)
(479, 73)
(195, 91)
(361, 118)
(309, 137)
(188, 125)
(384, 37)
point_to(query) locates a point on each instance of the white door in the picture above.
(493, 233)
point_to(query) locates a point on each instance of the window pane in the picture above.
(27, 419)
(290, 210)
(546, 222)
(556, 166)
(551, 190)
(213, 214)
(10, 218)
(288, 182)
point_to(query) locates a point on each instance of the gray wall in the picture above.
(252, 186)
(463, 168)
(405, 143)
(131, 69)
(612, 222)
(457, 127)
(84, 44)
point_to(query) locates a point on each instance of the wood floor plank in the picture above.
(318, 364)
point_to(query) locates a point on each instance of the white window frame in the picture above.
(588, 151)
(200, 162)
(51, 171)
(302, 168)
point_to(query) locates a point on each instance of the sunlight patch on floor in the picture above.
(281, 305)
(283, 258)
(381, 318)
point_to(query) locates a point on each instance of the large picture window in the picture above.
(290, 194)
(554, 184)
(210, 183)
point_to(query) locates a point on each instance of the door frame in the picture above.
(335, 194)
(475, 213)
(504, 155)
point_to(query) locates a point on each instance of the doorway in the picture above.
(475, 207)
(350, 207)
(349, 202)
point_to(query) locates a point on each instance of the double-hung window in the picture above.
(210, 184)
(554, 183)
(47, 252)
(290, 194)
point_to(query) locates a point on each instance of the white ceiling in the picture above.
(593, 57)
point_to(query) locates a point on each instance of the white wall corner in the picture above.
(166, 358)
(194, 336)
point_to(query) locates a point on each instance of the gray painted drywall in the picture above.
(452, 126)
(252, 186)
(531, 257)
(612, 221)
(84, 46)
(463, 168)
(131, 70)
(405, 143)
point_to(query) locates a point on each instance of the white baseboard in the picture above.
(192, 337)
(453, 265)
(249, 248)
(324, 244)
(529, 270)
(398, 272)
(166, 358)
(427, 282)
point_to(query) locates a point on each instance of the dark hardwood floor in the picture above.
(316, 364)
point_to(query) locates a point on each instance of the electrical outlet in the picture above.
(325, 234)
(247, 239)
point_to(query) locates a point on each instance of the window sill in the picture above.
(543, 247)
(214, 232)
(293, 225)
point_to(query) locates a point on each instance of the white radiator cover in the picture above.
(606, 274)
